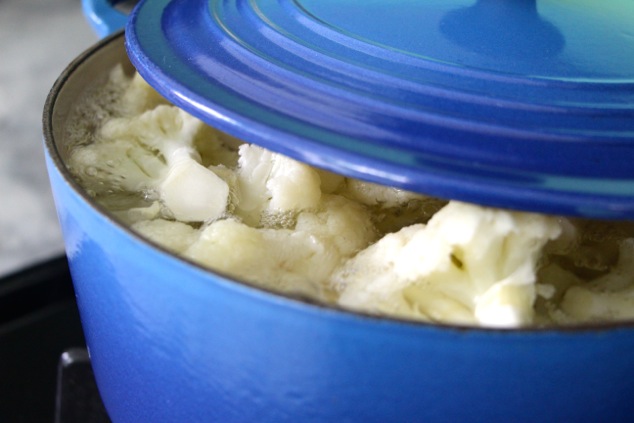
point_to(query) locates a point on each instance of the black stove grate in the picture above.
(78, 399)
(39, 321)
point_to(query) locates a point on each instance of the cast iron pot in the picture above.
(172, 342)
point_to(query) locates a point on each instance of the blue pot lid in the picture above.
(520, 104)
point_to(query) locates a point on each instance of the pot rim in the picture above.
(288, 299)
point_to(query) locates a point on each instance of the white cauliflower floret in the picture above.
(138, 214)
(154, 151)
(270, 183)
(298, 260)
(138, 95)
(115, 165)
(191, 191)
(372, 194)
(392, 208)
(175, 236)
(330, 182)
(269, 257)
(606, 298)
(345, 224)
(468, 265)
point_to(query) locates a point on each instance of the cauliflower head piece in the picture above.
(468, 265)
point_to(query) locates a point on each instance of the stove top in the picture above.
(45, 373)
(78, 399)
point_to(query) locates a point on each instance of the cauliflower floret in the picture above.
(154, 151)
(346, 224)
(175, 236)
(270, 183)
(330, 182)
(216, 148)
(133, 215)
(138, 95)
(191, 191)
(372, 194)
(229, 246)
(469, 265)
(298, 260)
(271, 258)
(115, 165)
(392, 208)
(606, 298)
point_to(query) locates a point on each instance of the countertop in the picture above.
(38, 39)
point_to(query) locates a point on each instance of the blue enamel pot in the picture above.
(172, 342)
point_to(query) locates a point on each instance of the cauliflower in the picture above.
(273, 184)
(392, 208)
(298, 260)
(137, 96)
(469, 265)
(175, 236)
(151, 153)
(373, 194)
(272, 258)
(608, 297)
(267, 219)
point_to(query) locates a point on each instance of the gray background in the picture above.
(38, 38)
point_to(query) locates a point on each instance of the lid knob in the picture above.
(512, 30)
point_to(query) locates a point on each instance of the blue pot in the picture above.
(172, 342)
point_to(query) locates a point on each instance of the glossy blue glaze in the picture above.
(103, 17)
(525, 104)
(171, 342)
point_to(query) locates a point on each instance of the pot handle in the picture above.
(107, 16)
